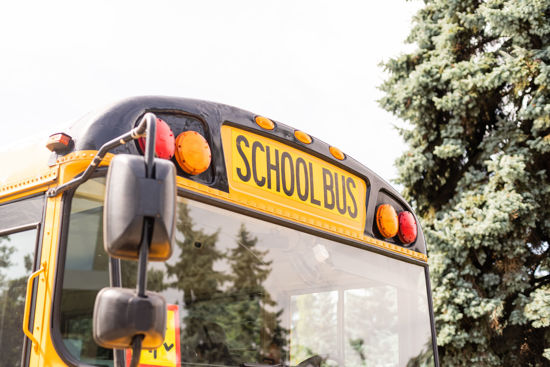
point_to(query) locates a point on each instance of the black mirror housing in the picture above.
(119, 315)
(130, 197)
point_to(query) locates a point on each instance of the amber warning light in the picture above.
(390, 224)
(193, 152)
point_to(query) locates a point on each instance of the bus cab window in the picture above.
(16, 260)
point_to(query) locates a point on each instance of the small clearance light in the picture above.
(193, 152)
(303, 137)
(265, 123)
(165, 142)
(407, 228)
(386, 220)
(58, 142)
(336, 153)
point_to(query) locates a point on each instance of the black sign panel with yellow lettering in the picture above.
(283, 178)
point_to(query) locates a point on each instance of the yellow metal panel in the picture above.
(23, 160)
(28, 185)
(45, 354)
(291, 180)
(76, 162)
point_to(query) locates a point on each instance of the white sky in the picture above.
(309, 64)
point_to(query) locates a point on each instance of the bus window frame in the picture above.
(432, 317)
(18, 205)
(55, 316)
(38, 245)
(55, 332)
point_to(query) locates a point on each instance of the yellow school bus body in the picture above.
(30, 171)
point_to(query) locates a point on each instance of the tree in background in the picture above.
(255, 322)
(203, 340)
(476, 95)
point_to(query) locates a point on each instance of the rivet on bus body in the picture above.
(265, 123)
(337, 153)
(302, 136)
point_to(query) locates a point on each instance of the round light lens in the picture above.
(165, 142)
(265, 123)
(336, 153)
(193, 152)
(303, 137)
(386, 220)
(407, 228)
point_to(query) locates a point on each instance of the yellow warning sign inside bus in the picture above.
(168, 355)
(291, 179)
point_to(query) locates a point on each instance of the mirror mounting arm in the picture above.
(151, 125)
(147, 234)
(146, 239)
(139, 131)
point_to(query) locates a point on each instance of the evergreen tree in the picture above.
(254, 327)
(155, 277)
(194, 269)
(202, 338)
(476, 95)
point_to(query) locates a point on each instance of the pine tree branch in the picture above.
(540, 282)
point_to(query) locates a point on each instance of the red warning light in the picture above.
(165, 144)
(407, 228)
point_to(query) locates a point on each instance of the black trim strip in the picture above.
(22, 211)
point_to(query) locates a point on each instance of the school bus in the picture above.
(286, 251)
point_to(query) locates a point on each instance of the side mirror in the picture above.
(130, 197)
(138, 224)
(119, 315)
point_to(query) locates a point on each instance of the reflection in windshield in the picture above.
(227, 319)
(252, 292)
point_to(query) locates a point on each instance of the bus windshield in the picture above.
(246, 291)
